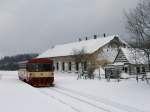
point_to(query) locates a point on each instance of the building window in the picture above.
(77, 66)
(124, 45)
(63, 66)
(138, 70)
(125, 69)
(57, 66)
(143, 69)
(85, 66)
(69, 66)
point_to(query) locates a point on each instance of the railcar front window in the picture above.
(32, 67)
(39, 67)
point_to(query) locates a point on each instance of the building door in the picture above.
(138, 70)
(63, 66)
(77, 66)
(85, 66)
(126, 69)
(143, 69)
(57, 66)
(69, 65)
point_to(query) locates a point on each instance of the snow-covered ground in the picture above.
(72, 95)
(16, 96)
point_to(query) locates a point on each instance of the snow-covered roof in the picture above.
(89, 46)
(134, 56)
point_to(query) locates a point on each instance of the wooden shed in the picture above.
(128, 60)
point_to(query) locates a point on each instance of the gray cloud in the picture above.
(35, 25)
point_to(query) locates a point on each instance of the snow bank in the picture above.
(148, 74)
(101, 71)
(124, 75)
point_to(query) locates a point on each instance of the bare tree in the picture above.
(88, 63)
(93, 65)
(138, 25)
(80, 56)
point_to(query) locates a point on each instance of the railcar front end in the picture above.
(37, 72)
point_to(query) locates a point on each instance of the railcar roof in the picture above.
(40, 60)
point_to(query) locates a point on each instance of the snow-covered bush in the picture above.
(148, 74)
(124, 75)
(99, 72)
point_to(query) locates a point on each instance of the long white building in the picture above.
(105, 48)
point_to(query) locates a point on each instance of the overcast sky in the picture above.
(35, 25)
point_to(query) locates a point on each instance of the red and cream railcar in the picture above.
(38, 72)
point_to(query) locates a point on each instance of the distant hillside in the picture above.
(11, 62)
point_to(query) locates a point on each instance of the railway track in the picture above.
(105, 101)
(72, 100)
(99, 104)
(59, 100)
